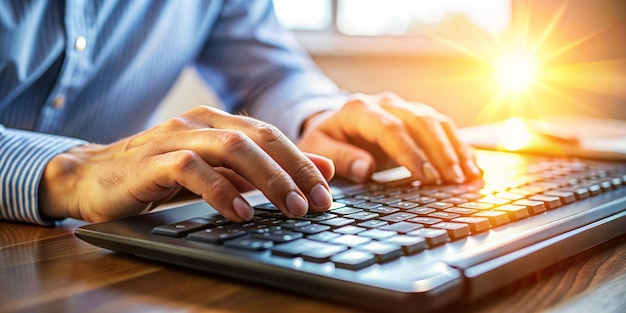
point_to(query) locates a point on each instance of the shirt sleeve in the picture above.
(258, 68)
(23, 158)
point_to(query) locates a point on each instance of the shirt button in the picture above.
(59, 101)
(81, 43)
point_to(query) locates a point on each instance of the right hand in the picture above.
(199, 151)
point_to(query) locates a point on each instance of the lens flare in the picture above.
(516, 73)
(516, 134)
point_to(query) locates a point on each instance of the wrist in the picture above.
(58, 187)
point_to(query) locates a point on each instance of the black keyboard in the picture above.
(376, 224)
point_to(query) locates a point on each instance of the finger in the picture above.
(350, 161)
(382, 128)
(239, 182)
(187, 169)
(305, 174)
(323, 164)
(467, 157)
(426, 129)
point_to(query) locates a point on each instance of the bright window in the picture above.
(392, 26)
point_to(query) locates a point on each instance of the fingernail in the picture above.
(296, 205)
(459, 177)
(430, 173)
(243, 209)
(359, 169)
(321, 197)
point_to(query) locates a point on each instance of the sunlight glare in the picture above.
(516, 73)
(515, 135)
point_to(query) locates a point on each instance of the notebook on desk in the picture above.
(394, 248)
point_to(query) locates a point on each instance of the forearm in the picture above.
(23, 159)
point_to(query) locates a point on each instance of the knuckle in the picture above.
(391, 124)
(175, 123)
(267, 132)
(356, 100)
(276, 179)
(218, 187)
(234, 140)
(186, 160)
(201, 110)
(305, 171)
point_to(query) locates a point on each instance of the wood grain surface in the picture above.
(50, 270)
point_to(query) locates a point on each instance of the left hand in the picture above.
(371, 133)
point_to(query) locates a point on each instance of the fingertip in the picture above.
(243, 209)
(320, 198)
(360, 170)
(296, 205)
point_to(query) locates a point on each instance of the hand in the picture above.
(206, 151)
(371, 133)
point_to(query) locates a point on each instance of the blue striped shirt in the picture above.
(79, 71)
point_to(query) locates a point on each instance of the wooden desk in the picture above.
(50, 270)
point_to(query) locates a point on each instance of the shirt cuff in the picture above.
(23, 158)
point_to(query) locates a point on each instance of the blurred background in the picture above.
(476, 61)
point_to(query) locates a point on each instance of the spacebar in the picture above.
(490, 264)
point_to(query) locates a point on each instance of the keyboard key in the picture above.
(322, 254)
(439, 205)
(377, 233)
(549, 201)
(461, 211)
(476, 224)
(349, 230)
(405, 205)
(249, 243)
(373, 224)
(454, 200)
(324, 236)
(350, 201)
(476, 206)
(384, 210)
(423, 200)
(216, 235)
(496, 218)
(337, 222)
(350, 240)
(397, 217)
(367, 205)
(494, 200)
(433, 236)
(311, 229)
(426, 221)
(295, 248)
(509, 196)
(292, 223)
(316, 217)
(421, 211)
(455, 230)
(278, 236)
(182, 228)
(402, 227)
(566, 197)
(363, 216)
(515, 212)
(445, 216)
(384, 252)
(579, 192)
(345, 211)
(353, 259)
(533, 207)
(409, 244)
